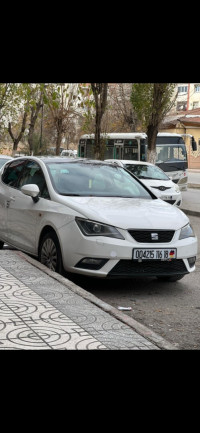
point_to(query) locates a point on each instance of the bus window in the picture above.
(143, 151)
(130, 153)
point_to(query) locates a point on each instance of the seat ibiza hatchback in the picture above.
(93, 218)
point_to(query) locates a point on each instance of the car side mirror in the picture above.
(32, 190)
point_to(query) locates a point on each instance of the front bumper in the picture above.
(116, 255)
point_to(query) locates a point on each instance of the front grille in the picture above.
(170, 201)
(144, 236)
(161, 188)
(131, 268)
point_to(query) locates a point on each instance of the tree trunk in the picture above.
(30, 136)
(156, 117)
(34, 116)
(58, 142)
(100, 95)
(97, 135)
(151, 151)
(16, 140)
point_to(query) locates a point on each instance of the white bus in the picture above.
(170, 148)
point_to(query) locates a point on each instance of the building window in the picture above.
(197, 87)
(195, 104)
(181, 106)
(182, 89)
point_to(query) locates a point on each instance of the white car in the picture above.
(155, 178)
(92, 218)
(68, 152)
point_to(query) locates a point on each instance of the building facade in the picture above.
(187, 97)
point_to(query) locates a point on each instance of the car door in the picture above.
(22, 213)
(9, 178)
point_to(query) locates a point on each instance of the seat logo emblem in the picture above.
(154, 236)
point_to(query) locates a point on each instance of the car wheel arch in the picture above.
(45, 230)
(48, 230)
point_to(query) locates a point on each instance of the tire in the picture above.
(1, 245)
(50, 252)
(171, 279)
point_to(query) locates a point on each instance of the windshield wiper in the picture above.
(69, 194)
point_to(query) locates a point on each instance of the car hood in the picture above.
(129, 213)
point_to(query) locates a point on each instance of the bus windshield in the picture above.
(169, 153)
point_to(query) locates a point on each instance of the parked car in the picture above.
(92, 218)
(155, 178)
(69, 152)
(4, 159)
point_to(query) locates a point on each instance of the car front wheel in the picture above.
(1, 245)
(50, 252)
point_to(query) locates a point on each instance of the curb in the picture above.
(193, 185)
(129, 321)
(190, 212)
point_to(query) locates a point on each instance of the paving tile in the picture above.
(27, 320)
(39, 312)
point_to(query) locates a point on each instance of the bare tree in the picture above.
(120, 110)
(152, 101)
(61, 102)
(17, 138)
(34, 111)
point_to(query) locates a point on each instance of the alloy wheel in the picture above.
(49, 254)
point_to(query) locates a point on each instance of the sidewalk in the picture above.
(191, 197)
(41, 310)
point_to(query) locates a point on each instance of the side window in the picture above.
(12, 173)
(33, 174)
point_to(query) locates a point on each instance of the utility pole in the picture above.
(188, 97)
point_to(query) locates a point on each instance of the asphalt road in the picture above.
(170, 309)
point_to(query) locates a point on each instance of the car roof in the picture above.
(52, 158)
(136, 162)
(128, 161)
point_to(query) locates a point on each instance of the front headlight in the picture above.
(93, 228)
(186, 232)
(176, 187)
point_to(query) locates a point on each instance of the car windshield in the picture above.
(146, 171)
(94, 179)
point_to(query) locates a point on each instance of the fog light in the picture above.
(91, 263)
(192, 261)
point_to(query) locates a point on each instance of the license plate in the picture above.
(166, 197)
(154, 254)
